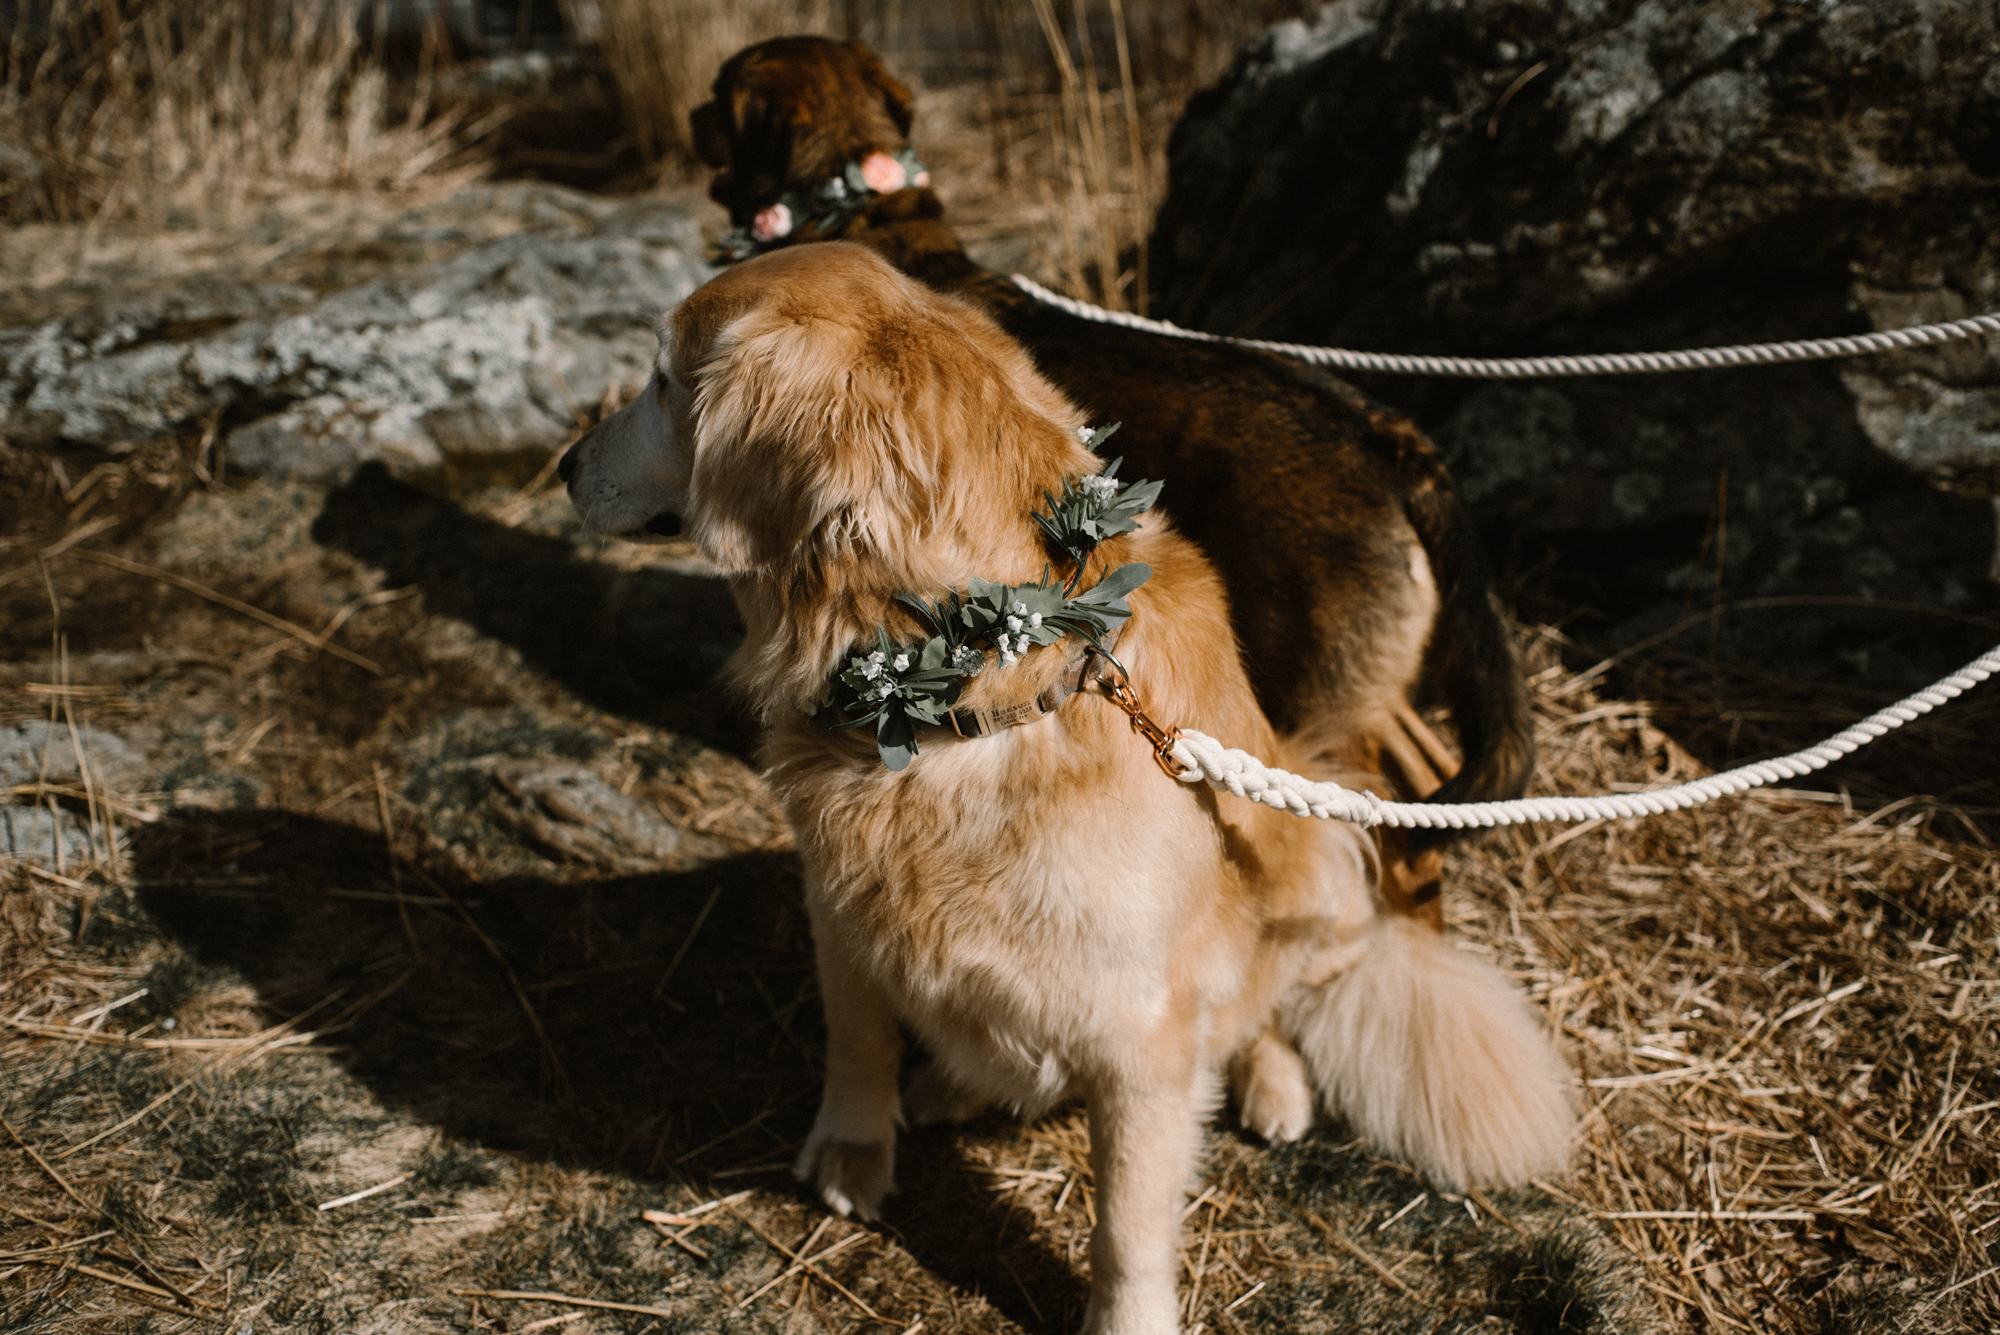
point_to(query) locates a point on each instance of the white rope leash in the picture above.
(1519, 368)
(1246, 776)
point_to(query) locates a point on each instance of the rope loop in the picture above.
(1525, 368)
(1244, 775)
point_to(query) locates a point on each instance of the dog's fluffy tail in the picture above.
(1435, 1058)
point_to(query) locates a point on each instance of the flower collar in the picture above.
(894, 687)
(824, 208)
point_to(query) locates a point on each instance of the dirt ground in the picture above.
(395, 915)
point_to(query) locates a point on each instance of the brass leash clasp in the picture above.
(1118, 689)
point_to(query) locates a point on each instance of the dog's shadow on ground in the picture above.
(535, 1017)
(644, 644)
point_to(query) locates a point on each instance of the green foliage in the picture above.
(1092, 509)
(894, 687)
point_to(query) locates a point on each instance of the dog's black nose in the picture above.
(664, 525)
(566, 465)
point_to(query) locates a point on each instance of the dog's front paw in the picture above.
(934, 1097)
(851, 1177)
(1273, 1090)
(1132, 1309)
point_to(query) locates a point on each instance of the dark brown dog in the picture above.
(1348, 557)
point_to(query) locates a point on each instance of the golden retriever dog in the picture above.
(1047, 911)
(1334, 523)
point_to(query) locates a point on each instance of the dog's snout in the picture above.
(566, 466)
(667, 524)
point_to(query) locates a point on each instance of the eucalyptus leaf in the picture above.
(893, 687)
(1108, 594)
(896, 740)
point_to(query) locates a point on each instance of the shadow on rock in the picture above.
(642, 643)
(520, 1013)
(565, 1021)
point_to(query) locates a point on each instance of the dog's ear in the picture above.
(746, 131)
(711, 134)
(841, 409)
(896, 99)
(802, 444)
(713, 123)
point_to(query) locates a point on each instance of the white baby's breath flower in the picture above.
(1035, 621)
(1099, 487)
(888, 689)
(870, 670)
(902, 662)
(1083, 434)
(1021, 609)
(877, 656)
(1013, 623)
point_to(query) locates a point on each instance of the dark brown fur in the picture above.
(1299, 488)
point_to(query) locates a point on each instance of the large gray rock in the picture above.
(572, 812)
(490, 351)
(1663, 175)
(36, 752)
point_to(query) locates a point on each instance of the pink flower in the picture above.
(882, 173)
(921, 179)
(771, 223)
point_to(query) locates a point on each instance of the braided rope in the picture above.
(1246, 776)
(1521, 368)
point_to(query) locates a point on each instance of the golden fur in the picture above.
(1045, 910)
(1354, 574)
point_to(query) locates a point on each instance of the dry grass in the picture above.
(1784, 1011)
(1045, 118)
(663, 57)
(157, 112)
(1781, 1009)
(330, 952)
(1048, 118)
(1073, 103)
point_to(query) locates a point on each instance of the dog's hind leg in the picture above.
(850, 1156)
(1435, 1057)
(1411, 882)
(1273, 1091)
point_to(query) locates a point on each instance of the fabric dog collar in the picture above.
(1077, 674)
(823, 209)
